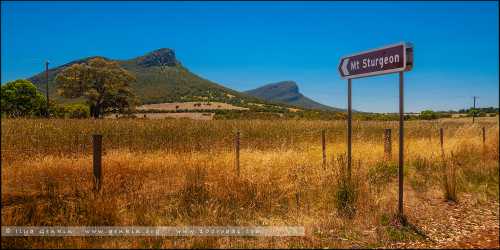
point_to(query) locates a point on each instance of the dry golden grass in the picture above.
(176, 172)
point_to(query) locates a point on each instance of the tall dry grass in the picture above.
(68, 137)
(180, 172)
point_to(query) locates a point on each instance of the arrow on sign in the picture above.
(344, 67)
(385, 60)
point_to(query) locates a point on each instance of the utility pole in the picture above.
(474, 108)
(47, 86)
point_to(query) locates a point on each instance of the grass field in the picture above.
(181, 172)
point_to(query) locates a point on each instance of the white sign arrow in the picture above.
(344, 67)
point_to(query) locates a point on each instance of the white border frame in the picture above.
(383, 72)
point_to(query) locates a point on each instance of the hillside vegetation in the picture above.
(160, 78)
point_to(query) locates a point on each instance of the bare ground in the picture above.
(466, 224)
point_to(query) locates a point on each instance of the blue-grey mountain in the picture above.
(287, 92)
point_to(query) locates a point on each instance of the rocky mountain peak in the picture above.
(284, 86)
(159, 57)
(286, 92)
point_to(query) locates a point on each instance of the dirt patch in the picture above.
(467, 224)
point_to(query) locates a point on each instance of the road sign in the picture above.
(385, 60)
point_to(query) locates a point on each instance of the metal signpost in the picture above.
(385, 60)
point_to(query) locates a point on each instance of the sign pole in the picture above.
(349, 128)
(401, 142)
(389, 59)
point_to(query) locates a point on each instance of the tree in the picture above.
(21, 98)
(104, 84)
(428, 115)
(473, 112)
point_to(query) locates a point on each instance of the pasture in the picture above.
(182, 172)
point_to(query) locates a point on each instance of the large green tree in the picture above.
(104, 85)
(21, 98)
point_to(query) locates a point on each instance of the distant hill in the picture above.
(160, 78)
(287, 92)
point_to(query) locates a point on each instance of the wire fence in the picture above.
(20, 147)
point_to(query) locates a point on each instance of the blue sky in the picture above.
(243, 45)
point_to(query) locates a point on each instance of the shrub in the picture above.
(194, 195)
(77, 110)
(449, 172)
(346, 192)
(422, 175)
(382, 172)
(345, 197)
(473, 112)
(428, 115)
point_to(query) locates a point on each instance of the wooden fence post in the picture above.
(484, 136)
(441, 140)
(237, 151)
(484, 143)
(323, 146)
(297, 199)
(97, 164)
(387, 144)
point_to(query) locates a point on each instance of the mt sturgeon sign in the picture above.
(385, 60)
(389, 59)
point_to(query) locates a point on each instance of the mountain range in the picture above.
(162, 78)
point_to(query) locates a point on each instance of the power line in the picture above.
(47, 85)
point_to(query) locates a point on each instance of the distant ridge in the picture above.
(287, 92)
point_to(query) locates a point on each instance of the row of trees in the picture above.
(20, 98)
(491, 110)
(103, 84)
